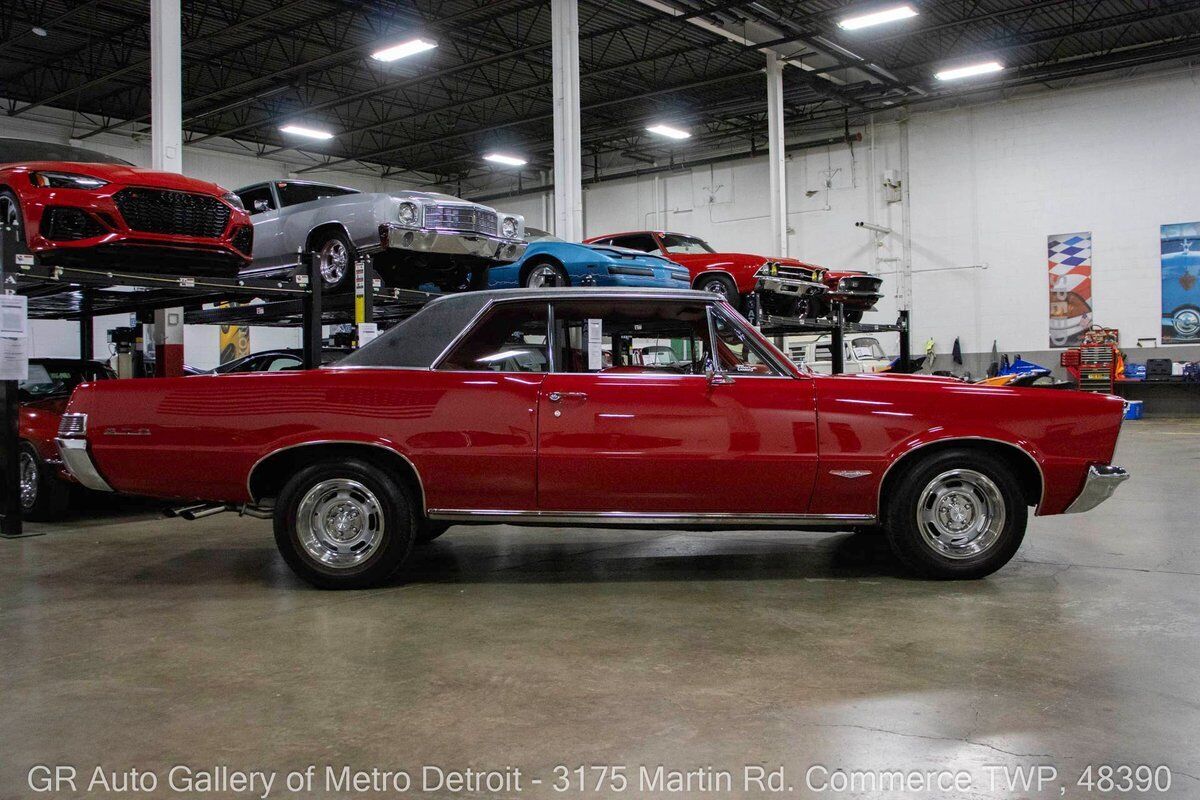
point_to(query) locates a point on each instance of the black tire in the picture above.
(853, 314)
(719, 284)
(539, 275)
(48, 496)
(910, 534)
(428, 530)
(330, 245)
(393, 517)
(10, 211)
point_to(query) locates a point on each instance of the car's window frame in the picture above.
(270, 194)
(343, 191)
(764, 354)
(477, 320)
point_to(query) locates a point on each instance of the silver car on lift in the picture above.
(414, 238)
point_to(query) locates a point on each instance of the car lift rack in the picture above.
(82, 293)
(837, 327)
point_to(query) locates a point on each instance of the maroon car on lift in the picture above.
(539, 407)
(77, 207)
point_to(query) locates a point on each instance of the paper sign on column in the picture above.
(595, 342)
(367, 331)
(14, 337)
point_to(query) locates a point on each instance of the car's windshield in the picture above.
(535, 235)
(51, 379)
(291, 194)
(15, 151)
(678, 243)
(868, 347)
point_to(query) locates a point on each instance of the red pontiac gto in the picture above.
(77, 207)
(533, 407)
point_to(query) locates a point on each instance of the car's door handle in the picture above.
(556, 397)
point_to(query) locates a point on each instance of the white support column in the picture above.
(568, 155)
(166, 86)
(776, 157)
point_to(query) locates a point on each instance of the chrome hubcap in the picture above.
(542, 277)
(716, 287)
(340, 523)
(961, 513)
(29, 480)
(1187, 322)
(334, 262)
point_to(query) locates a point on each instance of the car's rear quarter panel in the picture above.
(870, 422)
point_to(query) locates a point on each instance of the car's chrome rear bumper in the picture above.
(78, 462)
(451, 243)
(1100, 484)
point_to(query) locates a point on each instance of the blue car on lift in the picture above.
(550, 261)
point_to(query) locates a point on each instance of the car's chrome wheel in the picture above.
(335, 261)
(10, 212)
(960, 513)
(543, 276)
(28, 476)
(339, 523)
(716, 287)
(1187, 322)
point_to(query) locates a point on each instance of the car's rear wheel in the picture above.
(10, 212)
(344, 524)
(44, 496)
(336, 260)
(545, 276)
(956, 514)
(853, 314)
(721, 285)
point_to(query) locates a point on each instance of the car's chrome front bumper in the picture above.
(78, 462)
(1100, 484)
(451, 243)
(774, 284)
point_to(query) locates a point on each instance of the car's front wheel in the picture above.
(10, 212)
(44, 496)
(545, 275)
(344, 524)
(956, 514)
(335, 261)
(720, 285)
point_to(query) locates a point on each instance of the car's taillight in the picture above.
(73, 426)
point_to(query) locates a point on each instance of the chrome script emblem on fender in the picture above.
(850, 473)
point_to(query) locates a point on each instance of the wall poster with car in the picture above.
(1070, 264)
(1179, 245)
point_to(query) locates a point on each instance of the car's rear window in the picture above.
(291, 194)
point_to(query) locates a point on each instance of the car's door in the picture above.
(263, 207)
(615, 436)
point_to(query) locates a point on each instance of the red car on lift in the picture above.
(77, 207)
(788, 286)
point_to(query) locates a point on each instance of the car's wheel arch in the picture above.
(271, 471)
(708, 273)
(1025, 465)
(537, 261)
(318, 233)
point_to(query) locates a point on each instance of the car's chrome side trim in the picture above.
(78, 462)
(314, 442)
(648, 518)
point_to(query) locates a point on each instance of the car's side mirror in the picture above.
(260, 206)
(715, 378)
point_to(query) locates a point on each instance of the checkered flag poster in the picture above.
(1070, 264)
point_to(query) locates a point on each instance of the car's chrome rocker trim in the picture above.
(394, 236)
(616, 518)
(78, 462)
(1101, 482)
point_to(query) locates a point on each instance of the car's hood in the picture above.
(133, 176)
(719, 259)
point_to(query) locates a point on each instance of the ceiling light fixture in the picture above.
(969, 71)
(311, 133)
(38, 30)
(403, 50)
(508, 161)
(880, 17)
(669, 132)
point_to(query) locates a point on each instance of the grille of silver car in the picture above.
(461, 218)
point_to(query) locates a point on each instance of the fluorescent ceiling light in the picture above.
(403, 50)
(669, 132)
(877, 18)
(501, 158)
(968, 72)
(311, 133)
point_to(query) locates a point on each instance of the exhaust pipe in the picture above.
(202, 510)
(193, 514)
(179, 512)
(258, 512)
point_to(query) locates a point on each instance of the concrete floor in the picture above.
(130, 641)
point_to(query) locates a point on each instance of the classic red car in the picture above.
(45, 484)
(77, 207)
(534, 407)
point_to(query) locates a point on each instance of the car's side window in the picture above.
(511, 337)
(737, 352)
(280, 363)
(630, 336)
(637, 241)
(257, 199)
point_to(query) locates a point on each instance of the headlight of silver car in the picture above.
(233, 200)
(508, 228)
(64, 180)
(409, 214)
